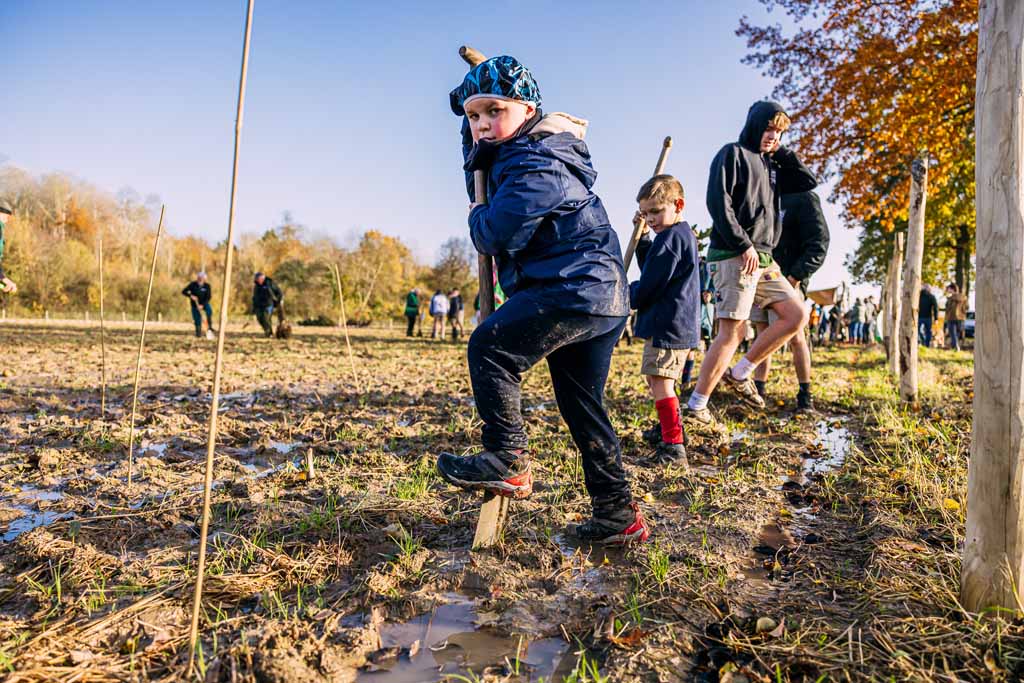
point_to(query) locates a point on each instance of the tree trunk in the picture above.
(912, 279)
(993, 565)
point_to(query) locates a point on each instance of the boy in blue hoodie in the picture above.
(560, 265)
(667, 301)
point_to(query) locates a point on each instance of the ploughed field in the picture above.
(806, 548)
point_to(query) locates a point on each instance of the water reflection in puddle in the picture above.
(448, 641)
(26, 501)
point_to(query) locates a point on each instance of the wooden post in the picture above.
(493, 509)
(895, 301)
(638, 231)
(103, 342)
(912, 279)
(993, 564)
(211, 439)
(142, 343)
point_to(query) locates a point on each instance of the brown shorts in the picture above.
(736, 293)
(663, 362)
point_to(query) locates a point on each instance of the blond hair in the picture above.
(661, 188)
(781, 121)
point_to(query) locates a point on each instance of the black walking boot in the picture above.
(487, 471)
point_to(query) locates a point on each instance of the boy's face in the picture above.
(491, 118)
(660, 214)
(771, 139)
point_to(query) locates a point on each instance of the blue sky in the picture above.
(347, 124)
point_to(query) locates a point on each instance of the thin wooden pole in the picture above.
(993, 563)
(912, 279)
(103, 341)
(896, 300)
(343, 321)
(193, 638)
(142, 343)
(638, 231)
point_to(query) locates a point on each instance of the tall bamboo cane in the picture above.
(142, 343)
(193, 637)
(103, 342)
(344, 326)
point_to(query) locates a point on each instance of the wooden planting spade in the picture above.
(639, 229)
(494, 508)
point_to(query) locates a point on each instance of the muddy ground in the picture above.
(797, 548)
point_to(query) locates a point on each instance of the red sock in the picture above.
(668, 416)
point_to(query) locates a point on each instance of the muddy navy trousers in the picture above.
(578, 348)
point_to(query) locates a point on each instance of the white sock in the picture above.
(697, 401)
(742, 369)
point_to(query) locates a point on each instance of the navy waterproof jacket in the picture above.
(549, 234)
(744, 187)
(667, 295)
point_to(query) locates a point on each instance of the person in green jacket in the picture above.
(412, 309)
(6, 284)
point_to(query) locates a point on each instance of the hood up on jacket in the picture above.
(758, 117)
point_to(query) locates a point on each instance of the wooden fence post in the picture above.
(993, 563)
(895, 301)
(912, 279)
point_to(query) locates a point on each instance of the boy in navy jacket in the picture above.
(667, 300)
(560, 265)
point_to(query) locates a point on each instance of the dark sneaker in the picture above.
(620, 528)
(745, 390)
(804, 403)
(485, 471)
(671, 453)
(653, 435)
(701, 415)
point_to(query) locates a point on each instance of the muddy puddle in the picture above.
(449, 644)
(32, 504)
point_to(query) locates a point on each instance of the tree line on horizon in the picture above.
(53, 243)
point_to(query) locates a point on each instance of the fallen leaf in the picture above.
(630, 639)
(950, 504)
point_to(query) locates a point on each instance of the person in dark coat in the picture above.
(456, 313)
(560, 265)
(801, 251)
(199, 293)
(927, 314)
(745, 183)
(667, 301)
(265, 296)
(7, 285)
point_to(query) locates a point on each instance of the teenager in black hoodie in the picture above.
(746, 181)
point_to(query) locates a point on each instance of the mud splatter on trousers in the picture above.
(578, 348)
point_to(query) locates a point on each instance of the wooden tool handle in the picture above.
(663, 157)
(634, 239)
(472, 56)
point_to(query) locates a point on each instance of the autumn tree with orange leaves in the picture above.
(870, 84)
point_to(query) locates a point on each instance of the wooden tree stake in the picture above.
(343, 322)
(895, 301)
(193, 637)
(912, 279)
(142, 343)
(993, 563)
(103, 341)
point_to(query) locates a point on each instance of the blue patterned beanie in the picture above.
(503, 77)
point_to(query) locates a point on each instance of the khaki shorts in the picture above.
(736, 293)
(761, 316)
(663, 362)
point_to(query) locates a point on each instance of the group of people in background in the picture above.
(442, 307)
(266, 298)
